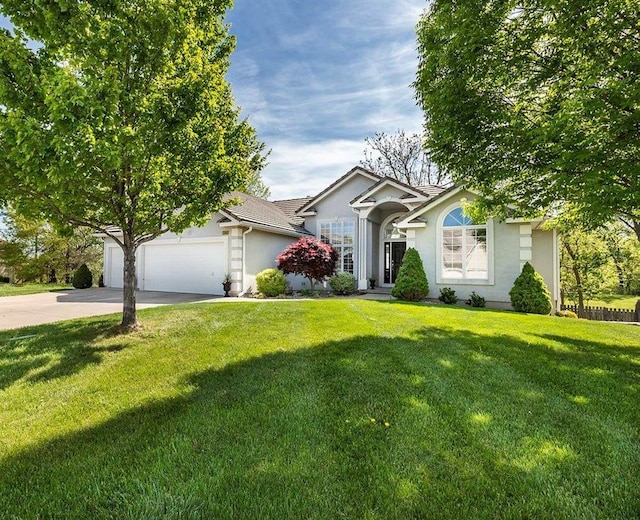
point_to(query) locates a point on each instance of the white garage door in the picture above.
(115, 267)
(191, 268)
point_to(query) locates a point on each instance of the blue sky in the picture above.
(316, 78)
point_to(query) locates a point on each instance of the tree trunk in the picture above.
(576, 275)
(129, 314)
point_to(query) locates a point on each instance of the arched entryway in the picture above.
(393, 244)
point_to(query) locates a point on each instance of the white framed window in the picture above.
(464, 250)
(341, 235)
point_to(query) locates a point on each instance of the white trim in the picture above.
(357, 238)
(361, 200)
(434, 203)
(347, 177)
(490, 252)
(381, 242)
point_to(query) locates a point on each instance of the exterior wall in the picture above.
(545, 262)
(261, 251)
(335, 207)
(504, 257)
(210, 230)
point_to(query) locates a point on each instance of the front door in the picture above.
(393, 254)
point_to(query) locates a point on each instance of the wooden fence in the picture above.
(605, 313)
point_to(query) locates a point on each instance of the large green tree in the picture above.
(536, 103)
(117, 116)
(33, 250)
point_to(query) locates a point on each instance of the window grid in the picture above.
(341, 235)
(464, 248)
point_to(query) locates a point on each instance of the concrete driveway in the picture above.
(36, 309)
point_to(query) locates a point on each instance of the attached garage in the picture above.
(173, 266)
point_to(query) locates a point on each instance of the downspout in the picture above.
(244, 260)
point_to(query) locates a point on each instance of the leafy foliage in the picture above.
(402, 157)
(34, 251)
(529, 292)
(411, 283)
(310, 258)
(534, 103)
(82, 278)
(271, 282)
(448, 295)
(122, 119)
(475, 300)
(343, 284)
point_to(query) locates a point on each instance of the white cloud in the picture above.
(300, 169)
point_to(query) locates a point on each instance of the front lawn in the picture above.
(614, 301)
(321, 409)
(7, 289)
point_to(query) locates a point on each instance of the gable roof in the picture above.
(433, 201)
(252, 210)
(357, 170)
(290, 206)
(419, 193)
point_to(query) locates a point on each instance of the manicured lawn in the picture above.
(278, 410)
(7, 289)
(614, 301)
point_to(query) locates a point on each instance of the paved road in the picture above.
(36, 309)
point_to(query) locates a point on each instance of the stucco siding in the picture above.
(543, 259)
(261, 250)
(503, 247)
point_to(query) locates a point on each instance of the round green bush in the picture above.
(529, 292)
(82, 278)
(343, 283)
(411, 284)
(271, 282)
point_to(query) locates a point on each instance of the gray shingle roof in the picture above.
(259, 211)
(290, 206)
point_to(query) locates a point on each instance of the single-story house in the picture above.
(370, 220)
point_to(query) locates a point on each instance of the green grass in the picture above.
(614, 301)
(265, 410)
(7, 289)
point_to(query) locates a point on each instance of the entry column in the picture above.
(362, 253)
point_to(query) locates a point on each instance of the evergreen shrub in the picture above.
(411, 284)
(529, 292)
(448, 295)
(82, 278)
(475, 300)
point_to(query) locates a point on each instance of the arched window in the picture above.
(465, 254)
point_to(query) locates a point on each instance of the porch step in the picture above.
(380, 290)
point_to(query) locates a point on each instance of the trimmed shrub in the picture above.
(475, 300)
(566, 314)
(411, 284)
(448, 295)
(82, 278)
(343, 283)
(529, 292)
(271, 282)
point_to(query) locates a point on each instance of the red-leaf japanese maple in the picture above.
(310, 258)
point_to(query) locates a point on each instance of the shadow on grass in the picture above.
(478, 426)
(59, 349)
